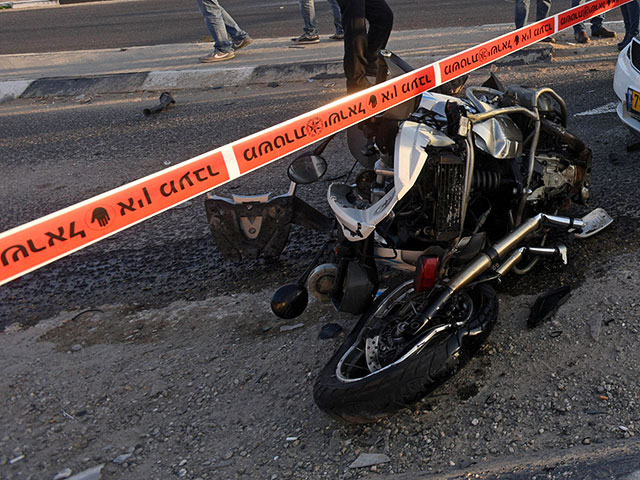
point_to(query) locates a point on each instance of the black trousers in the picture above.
(361, 47)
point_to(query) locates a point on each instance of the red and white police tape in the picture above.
(42, 241)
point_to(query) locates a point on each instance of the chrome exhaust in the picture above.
(493, 255)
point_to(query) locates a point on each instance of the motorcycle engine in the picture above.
(555, 176)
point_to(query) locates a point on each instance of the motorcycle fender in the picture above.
(411, 156)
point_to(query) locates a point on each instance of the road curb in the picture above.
(214, 77)
(16, 4)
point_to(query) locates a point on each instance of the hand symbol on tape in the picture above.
(101, 216)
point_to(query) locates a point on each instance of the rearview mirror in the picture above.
(307, 169)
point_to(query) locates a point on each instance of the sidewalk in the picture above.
(29, 3)
(167, 67)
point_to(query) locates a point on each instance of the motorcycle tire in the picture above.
(399, 385)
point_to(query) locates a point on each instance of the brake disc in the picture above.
(371, 353)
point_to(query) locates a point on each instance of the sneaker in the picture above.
(241, 43)
(217, 56)
(603, 33)
(582, 37)
(337, 36)
(306, 38)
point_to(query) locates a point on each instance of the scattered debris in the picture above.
(330, 330)
(61, 475)
(369, 459)
(329, 85)
(16, 459)
(65, 414)
(92, 473)
(291, 439)
(165, 100)
(82, 98)
(546, 305)
(120, 459)
(273, 84)
(286, 328)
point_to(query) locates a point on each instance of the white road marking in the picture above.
(608, 108)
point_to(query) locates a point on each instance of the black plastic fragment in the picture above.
(546, 305)
(165, 100)
(330, 330)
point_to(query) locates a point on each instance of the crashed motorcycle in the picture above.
(452, 192)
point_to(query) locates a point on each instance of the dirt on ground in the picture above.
(218, 389)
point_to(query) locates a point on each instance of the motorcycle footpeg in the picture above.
(595, 221)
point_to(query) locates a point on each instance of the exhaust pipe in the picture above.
(493, 255)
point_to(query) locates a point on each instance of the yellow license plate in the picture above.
(633, 101)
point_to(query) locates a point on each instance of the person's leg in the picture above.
(543, 7)
(380, 18)
(624, 10)
(521, 13)
(631, 17)
(308, 11)
(599, 30)
(235, 33)
(633, 9)
(355, 44)
(337, 17)
(580, 26)
(214, 20)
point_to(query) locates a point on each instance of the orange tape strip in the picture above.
(40, 242)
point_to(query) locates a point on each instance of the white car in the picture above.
(626, 84)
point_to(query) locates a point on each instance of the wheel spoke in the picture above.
(415, 312)
(356, 366)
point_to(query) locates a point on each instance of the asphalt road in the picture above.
(155, 22)
(58, 152)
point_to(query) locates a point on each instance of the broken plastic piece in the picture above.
(546, 305)
(165, 100)
(330, 330)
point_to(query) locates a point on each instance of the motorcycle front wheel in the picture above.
(373, 374)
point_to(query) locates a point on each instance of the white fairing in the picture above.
(626, 76)
(410, 157)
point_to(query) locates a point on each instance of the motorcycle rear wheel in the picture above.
(365, 397)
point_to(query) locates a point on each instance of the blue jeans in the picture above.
(222, 27)
(308, 10)
(596, 22)
(522, 11)
(631, 16)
